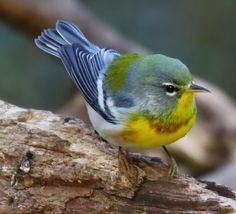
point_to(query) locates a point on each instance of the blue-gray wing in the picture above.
(86, 69)
(84, 61)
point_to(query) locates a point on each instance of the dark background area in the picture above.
(200, 33)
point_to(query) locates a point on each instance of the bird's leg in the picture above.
(124, 165)
(132, 172)
(173, 168)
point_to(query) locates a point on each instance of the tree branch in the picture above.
(57, 164)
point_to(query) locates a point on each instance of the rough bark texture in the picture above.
(53, 164)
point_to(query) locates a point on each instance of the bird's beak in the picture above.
(197, 88)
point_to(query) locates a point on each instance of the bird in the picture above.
(133, 100)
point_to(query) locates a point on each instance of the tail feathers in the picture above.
(65, 33)
(50, 41)
(72, 34)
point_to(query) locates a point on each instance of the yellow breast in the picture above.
(143, 132)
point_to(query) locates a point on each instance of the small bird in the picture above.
(133, 100)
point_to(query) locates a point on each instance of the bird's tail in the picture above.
(65, 33)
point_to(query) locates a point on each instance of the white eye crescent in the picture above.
(170, 89)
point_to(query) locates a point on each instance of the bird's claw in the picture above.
(173, 169)
(133, 173)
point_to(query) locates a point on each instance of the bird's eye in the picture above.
(170, 89)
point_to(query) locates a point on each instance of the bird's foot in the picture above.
(132, 172)
(173, 169)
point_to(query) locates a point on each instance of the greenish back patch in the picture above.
(117, 71)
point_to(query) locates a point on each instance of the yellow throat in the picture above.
(144, 132)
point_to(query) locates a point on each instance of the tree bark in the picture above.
(53, 164)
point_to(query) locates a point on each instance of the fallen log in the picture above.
(55, 164)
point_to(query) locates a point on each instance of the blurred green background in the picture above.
(29, 77)
(200, 33)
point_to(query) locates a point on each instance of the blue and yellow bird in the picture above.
(133, 100)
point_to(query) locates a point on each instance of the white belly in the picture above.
(110, 132)
(106, 130)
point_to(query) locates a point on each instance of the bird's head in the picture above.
(165, 85)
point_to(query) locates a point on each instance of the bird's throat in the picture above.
(185, 108)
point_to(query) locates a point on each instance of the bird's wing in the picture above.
(85, 62)
(87, 69)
